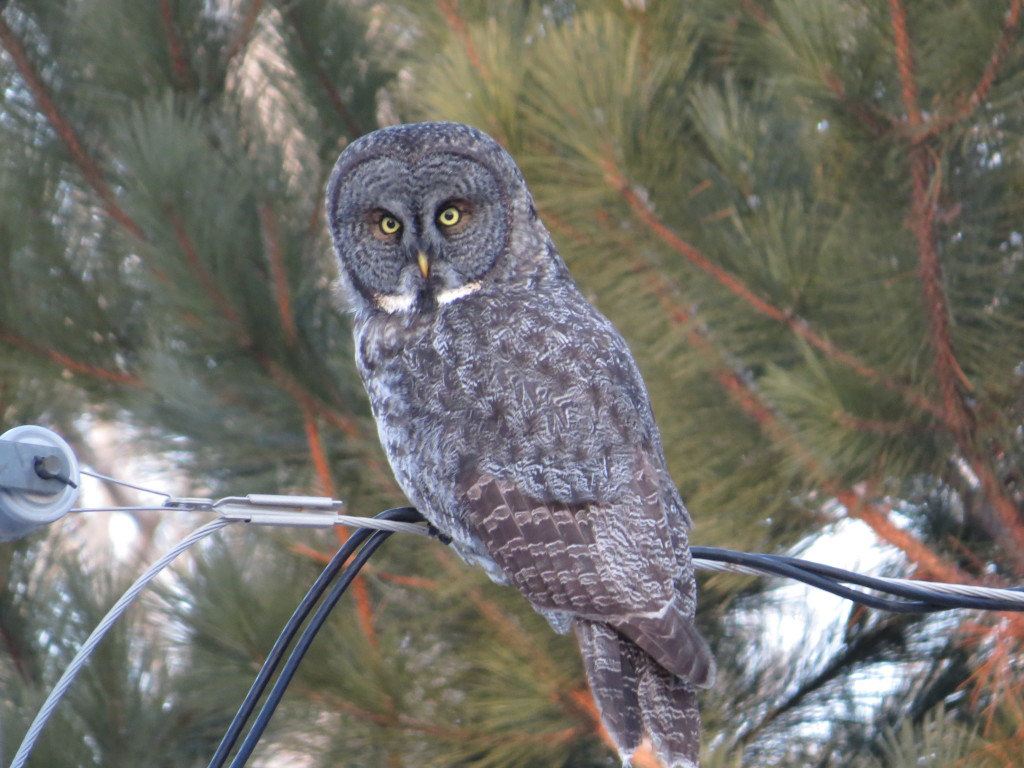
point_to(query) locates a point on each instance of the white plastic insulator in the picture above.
(21, 512)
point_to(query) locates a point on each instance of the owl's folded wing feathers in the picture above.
(610, 564)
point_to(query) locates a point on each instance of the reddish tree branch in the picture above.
(995, 61)
(332, 416)
(979, 93)
(876, 426)
(364, 607)
(1010, 532)
(929, 564)
(953, 382)
(179, 62)
(318, 456)
(951, 378)
(413, 582)
(905, 61)
(75, 366)
(275, 254)
(872, 118)
(752, 403)
(86, 164)
(352, 127)
(735, 285)
(252, 13)
(204, 276)
(457, 24)
(281, 377)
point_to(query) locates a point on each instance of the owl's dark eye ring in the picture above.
(449, 216)
(389, 225)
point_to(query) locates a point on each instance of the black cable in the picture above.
(298, 617)
(305, 640)
(830, 579)
(781, 568)
(912, 599)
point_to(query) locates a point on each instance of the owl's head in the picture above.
(424, 214)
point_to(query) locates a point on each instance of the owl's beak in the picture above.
(424, 261)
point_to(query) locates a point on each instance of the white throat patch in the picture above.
(448, 295)
(394, 303)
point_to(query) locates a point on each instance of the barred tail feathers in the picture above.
(635, 694)
(610, 665)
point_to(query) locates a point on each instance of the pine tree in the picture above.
(804, 217)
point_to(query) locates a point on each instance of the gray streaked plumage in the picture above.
(515, 418)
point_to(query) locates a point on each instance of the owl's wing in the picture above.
(619, 564)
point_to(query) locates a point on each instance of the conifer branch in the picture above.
(284, 379)
(310, 553)
(345, 706)
(204, 276)
(859, 650)
(63, 128)
(990, 679)
(341, 421)
(413, 582)
(15, 649)
(997, 58)
(402, 580)
(872, 118)
(734, 284)
(979, 93)
(905, 61)
(65, 361)
(927, 561)
(953, 382)
(875, 426)
(279, 375)
(364, 610)
(179, 62)
(951, 378)
(323, 471)
(457, 24)
(752, 403)
(241, 40)
(351, 126)
(1010, 531)
(450, 10)
(272, 244)
(319, 457)
(875, 120)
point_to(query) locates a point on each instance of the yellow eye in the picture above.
(449, 217)
(389, 225)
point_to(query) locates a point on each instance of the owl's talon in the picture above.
(436, 534)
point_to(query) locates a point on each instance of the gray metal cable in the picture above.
(32, 735)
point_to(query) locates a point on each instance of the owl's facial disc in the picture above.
(416, 235)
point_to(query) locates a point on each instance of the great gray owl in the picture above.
(515, 419)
